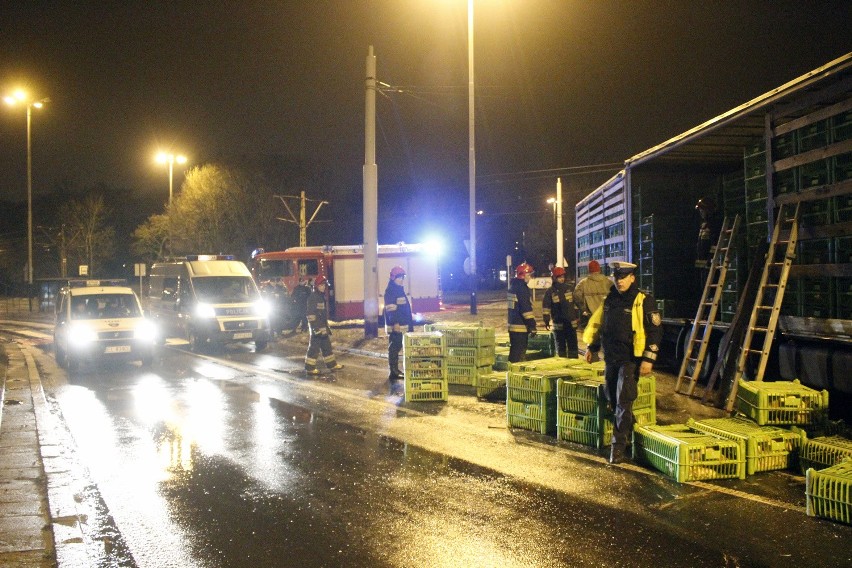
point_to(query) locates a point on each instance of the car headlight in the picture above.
(262, 308)
(81, 334)
(145, 331)
(203, 310)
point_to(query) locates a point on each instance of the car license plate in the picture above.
(242, 335)
(117, 349)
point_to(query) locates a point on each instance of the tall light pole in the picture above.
(170, 159)
(19, 97)
(471, 157)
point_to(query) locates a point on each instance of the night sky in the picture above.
(560, 84)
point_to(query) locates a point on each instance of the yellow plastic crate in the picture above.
(465, 375)
(423, 344)
(686, 455)
(585, 394)
(426, 390)
(539, 418)
(829, 492)
(470, 356)
(491, 385)
(824, 451)
(595, 429)
(767, 447)
(781, 402)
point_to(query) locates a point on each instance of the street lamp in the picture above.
(21, 98)
(170, 159)
(471, 157)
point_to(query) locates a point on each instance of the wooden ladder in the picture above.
(770, 294)
(708, 307)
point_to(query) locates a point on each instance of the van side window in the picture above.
(308, 267)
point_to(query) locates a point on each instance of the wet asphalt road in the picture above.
(250, 464)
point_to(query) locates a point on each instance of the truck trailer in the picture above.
(791, 145)
(343, 266)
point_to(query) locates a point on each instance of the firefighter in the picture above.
(589, 293)
(397, 316)
(320, 341)
(629, 328)
(557, 305)
(299, 306)
(521, 318)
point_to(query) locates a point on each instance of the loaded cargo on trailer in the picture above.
(343, 266)
(792, 145)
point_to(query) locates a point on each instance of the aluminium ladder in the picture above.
(770, 294)
(708, 307)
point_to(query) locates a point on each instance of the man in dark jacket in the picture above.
(299, 297)
(397, 317)
(320, 341)
(629, 328)
(521, 318)
(557, 306)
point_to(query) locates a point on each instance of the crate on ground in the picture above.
(781, 403)
(829, 492)
(423, 344)
(491, 386)
(501, 359)
(466, 375)
(542, 342)
(767, 447)
(420, 368)
(824, 451)
(470, 356)
(595, 429)
(548, 364)
(429, 390)
(686, 455)
(531, 400)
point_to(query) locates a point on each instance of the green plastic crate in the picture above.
(429, 390)
(533, 386)
(470, 356)
(548, 364)
(829, 492)
(465, 375)
(767, 447)
(423, 344)
(539, 418)
(464, 335)
(781, 402)
(586, 428)
(422, 363)
(824, 451)
(491, 386)
(686, 455)
(584, 394)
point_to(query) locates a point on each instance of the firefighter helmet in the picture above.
(396, 272)
(523, 269)
(320, 280)
(557, 272)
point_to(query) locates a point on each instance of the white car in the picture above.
(95, 322)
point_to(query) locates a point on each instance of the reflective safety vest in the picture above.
(590, 334)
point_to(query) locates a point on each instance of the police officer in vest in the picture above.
(629, 328)
(557, 306)
(521, 318)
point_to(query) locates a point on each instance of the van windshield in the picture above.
(225, 289)
(104, 306)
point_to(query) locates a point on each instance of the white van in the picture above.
(210, 300)
(95, 322)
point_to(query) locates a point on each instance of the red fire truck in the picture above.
(343, 266)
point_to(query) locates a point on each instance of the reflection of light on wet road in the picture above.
(204, 421)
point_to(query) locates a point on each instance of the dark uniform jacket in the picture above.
(397, 307)
(616, 331)
(317, 313)
(558, 305)
(521, 318)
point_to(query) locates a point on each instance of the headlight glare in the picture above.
(203, 310)
(81, 334)
(145, 331)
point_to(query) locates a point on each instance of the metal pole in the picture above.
(29, 197)
(303, 226)
(560, 239)
(171, 176)
(471, 157)
(371, 175)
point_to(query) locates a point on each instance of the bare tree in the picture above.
(89, 239)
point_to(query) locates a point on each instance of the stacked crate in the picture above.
(531, 393)
(684, 454)
(782, 403)
(823, 452)
(582, 413)
(468, 350)
(424, 367)
(767, 448)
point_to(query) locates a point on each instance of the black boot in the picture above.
(617, 454)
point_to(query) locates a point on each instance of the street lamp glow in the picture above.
(170, 159)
